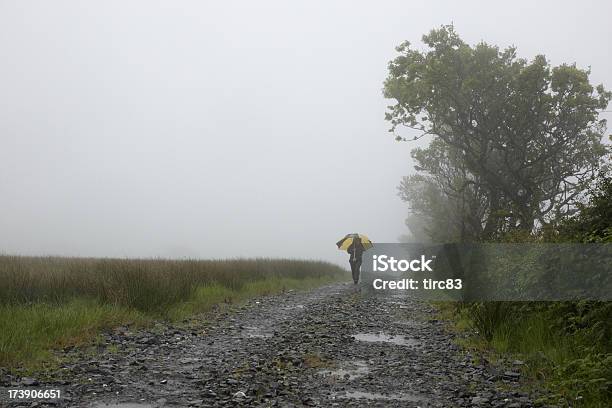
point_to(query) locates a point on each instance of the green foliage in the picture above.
(573, 363)
(521, 138)
(593, 222)
(487, 317)
(590, 319)
(586, 380)
(515, 149)
(566, 345)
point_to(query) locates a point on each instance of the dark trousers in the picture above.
(355, 265)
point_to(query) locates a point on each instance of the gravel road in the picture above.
(330, 347)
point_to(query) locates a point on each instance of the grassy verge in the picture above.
(574, 367)
(206, 297)
(29, 332)
(46, 303)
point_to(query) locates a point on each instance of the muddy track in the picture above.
(332, 346)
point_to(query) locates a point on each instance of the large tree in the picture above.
(523, 136)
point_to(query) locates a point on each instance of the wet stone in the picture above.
(348, 371)
(479, 400)
(332, 346)
(386, 338)
(29, 382)
(378, 396)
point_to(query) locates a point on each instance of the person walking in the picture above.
(355, 245)
(356, 251)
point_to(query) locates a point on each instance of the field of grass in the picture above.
(573, 364)
(49, 302)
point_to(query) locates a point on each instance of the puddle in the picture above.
(375, 396)
(386, 338)
(256, 332)
(348, 372)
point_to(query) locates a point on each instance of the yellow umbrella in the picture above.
(346, 242)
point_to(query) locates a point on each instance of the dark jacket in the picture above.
(356, 251)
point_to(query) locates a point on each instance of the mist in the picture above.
(227, 129)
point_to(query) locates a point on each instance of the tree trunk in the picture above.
(492, 220)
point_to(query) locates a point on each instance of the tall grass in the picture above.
(573, 362)
(148, 285)
(47, 302)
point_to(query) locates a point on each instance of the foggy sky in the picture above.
(228, 128)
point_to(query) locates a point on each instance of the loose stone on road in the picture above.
(329, 347)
